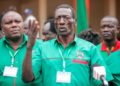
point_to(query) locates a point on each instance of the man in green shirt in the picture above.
(110, 47)
(12, 51)
(65, 60)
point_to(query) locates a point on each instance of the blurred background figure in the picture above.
(48, 30)
(29, 17)
(1, 32)
(118, 33)
(90, 36)
(110, 46)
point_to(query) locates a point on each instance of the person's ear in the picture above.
(74, 20)
(118, 27)
(2, 28)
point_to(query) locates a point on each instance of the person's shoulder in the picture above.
(83, 42)
(39, 41)
(118, 44)
(46, 45)
(49, 41)
(1, 41)
(118, 41)
(86, 46)
(99, 45)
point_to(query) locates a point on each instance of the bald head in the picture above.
(110, 19)
(46, 27)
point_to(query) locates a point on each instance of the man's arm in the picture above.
(27, 73)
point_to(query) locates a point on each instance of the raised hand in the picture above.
(32, 33)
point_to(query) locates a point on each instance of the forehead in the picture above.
(11, 16)
(109, 21)
(63, 11)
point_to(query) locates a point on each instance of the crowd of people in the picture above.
(61, 57)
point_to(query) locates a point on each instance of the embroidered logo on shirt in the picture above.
(80, 58)
(80, 55)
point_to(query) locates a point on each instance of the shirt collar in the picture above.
(58, 42)
(6, 41)
(114, 48)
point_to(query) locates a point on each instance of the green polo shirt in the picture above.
(112, 61)
(79, 56)
(6, 52)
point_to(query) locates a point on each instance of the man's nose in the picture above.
(62, 20)
(106, 28)
(14, 24)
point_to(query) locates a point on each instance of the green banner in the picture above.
(82, 19)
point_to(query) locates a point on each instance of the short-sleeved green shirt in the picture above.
(112, 61)
(79, 56)
(6, 52)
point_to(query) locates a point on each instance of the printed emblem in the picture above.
(80, 54)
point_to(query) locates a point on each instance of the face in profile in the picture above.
(12, 25)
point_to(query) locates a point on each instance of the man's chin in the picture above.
(15, 38)
(108, 39)
(63, 34)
